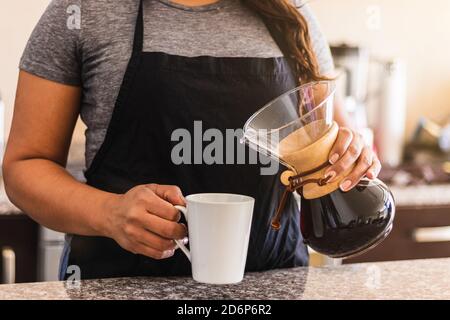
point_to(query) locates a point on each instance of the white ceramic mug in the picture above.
(219, 229)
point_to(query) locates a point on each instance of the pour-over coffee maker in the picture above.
(297, 129)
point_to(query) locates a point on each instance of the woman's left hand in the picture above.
(350, 149)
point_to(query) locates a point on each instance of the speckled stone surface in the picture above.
(415, 279)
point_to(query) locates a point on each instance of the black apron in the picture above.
(161, 93)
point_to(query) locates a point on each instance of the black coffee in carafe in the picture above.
(343, 224)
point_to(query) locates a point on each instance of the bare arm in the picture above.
(44, 118)
(45, 114)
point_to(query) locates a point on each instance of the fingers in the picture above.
(344, 139)
(146, 243)
(141, 249)
(162, 227)
(171, 194)
(374, 169)
(149, 239)
(363, 164)
(349, 156)
(163, 204)
(148, 221)
(349, 150)
(154, 204)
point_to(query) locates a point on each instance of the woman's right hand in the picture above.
(144, 220)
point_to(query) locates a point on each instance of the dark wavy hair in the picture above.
(284, 18)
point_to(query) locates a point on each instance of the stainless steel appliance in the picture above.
(8, 266)
(353, 66)
(374, 94)
(390, 113)
(51, 245)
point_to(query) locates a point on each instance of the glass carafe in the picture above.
(297, 129)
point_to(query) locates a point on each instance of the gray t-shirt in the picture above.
(88, 43)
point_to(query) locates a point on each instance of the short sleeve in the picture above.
(52, 52)
(319, 42)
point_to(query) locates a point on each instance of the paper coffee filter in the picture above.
(292, 121)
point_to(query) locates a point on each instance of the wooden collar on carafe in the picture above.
(296, 183)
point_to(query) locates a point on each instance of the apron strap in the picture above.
(138, 42)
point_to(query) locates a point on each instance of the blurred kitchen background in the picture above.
(393, 66)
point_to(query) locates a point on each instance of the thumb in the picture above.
(169, 193)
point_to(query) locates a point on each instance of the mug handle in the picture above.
(178, 242)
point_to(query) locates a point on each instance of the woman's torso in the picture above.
(223, 30)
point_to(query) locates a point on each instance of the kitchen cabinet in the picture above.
(420, 232)
(18, 248)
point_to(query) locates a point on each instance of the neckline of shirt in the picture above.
(207, 7)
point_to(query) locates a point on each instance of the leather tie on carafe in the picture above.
(296, 184)
(295, 180)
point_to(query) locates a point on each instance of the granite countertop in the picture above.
(413, 279)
